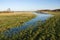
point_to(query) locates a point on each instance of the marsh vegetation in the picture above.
(49, 30)
(11, 20)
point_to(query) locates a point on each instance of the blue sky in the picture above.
(28, 5)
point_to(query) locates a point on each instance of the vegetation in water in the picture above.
(49, 30)
(11, 20)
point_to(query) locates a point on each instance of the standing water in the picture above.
(39, 17)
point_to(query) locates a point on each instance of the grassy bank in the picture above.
(11, 20)
(49, 30)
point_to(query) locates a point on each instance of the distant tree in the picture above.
(8, 9)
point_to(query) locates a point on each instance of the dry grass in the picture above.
(16, 13)
(11, 20)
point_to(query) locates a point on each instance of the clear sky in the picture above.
(26, 5)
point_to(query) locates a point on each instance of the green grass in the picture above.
(11, 21)
(49, 30)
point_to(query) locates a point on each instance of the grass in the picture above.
(49, 30)
(11, 20)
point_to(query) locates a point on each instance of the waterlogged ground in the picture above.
(42, 27)
(32, 22)
(11, 20)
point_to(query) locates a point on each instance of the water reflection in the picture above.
(39, 17)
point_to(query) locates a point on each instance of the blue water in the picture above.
(32, 22)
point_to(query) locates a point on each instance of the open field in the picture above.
(49, 30)
(11, 20)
